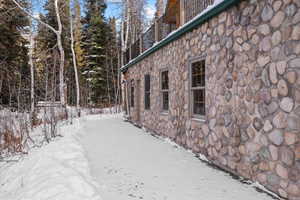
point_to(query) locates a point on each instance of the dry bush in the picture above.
(52, 116)
(14, 128)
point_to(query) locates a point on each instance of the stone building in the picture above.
(226, 85)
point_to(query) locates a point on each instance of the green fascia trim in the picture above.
(197, 22)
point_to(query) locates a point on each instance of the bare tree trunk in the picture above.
(107, 77)
(19, 92)
(1, 83)
(62, 56)
(126, 19)
(124, 42)
(46, 83)
(75, 66)
(31, 75)
(9, 92)
(113, 78)
(119, 94)
(54, 79)
(59, 43)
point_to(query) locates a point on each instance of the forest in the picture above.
(57, 58)
(25, 41)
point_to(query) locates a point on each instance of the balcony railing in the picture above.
(164, 29)
(194, 7)
(160, 30)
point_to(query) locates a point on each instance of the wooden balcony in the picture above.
(194, 7)
(178, 12)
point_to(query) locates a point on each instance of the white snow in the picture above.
(129, 163)
(56, 171)
(103, 157)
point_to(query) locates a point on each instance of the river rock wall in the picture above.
(252, 125)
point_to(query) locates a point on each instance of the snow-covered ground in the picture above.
(101, 157)
(56, 171)
(130, 164)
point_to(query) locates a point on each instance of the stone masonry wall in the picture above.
(252, 126)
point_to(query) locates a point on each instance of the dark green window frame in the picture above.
(164, 89)
(132, 93)
(147, 79)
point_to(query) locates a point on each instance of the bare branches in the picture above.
(59, 44)
(7, 11)
(58, 17)
(35, 18)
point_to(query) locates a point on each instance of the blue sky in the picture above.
(114, 8)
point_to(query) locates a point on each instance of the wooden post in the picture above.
(182, 12)
(156, 30)
(130, 57)
(141, 44)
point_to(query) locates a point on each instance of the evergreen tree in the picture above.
(96, 33)
(14, 68)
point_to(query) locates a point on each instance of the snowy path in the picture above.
(55, 171)
(130, 164)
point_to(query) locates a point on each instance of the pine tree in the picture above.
(95, 38)
(14, 68)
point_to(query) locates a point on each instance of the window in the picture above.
(198, 88)
(147, 92)
(132, 93)
(165, 90)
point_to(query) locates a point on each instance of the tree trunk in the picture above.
(59, 43)
(118, 85)
(46, 83)
(75, 67)
(31, 74)
(62, 56)
(107, 77)
(1, 83)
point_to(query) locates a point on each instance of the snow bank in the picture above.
(56, 171)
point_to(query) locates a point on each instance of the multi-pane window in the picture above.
(132, 93)
(147, 92)
(198, 88)
(165, 90)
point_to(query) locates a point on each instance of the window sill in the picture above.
(164, 113)
(198, 119)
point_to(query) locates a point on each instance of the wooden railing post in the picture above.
(141, 44)
(182, 12)
(125, 61)
(130, 51)
(156, 30)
